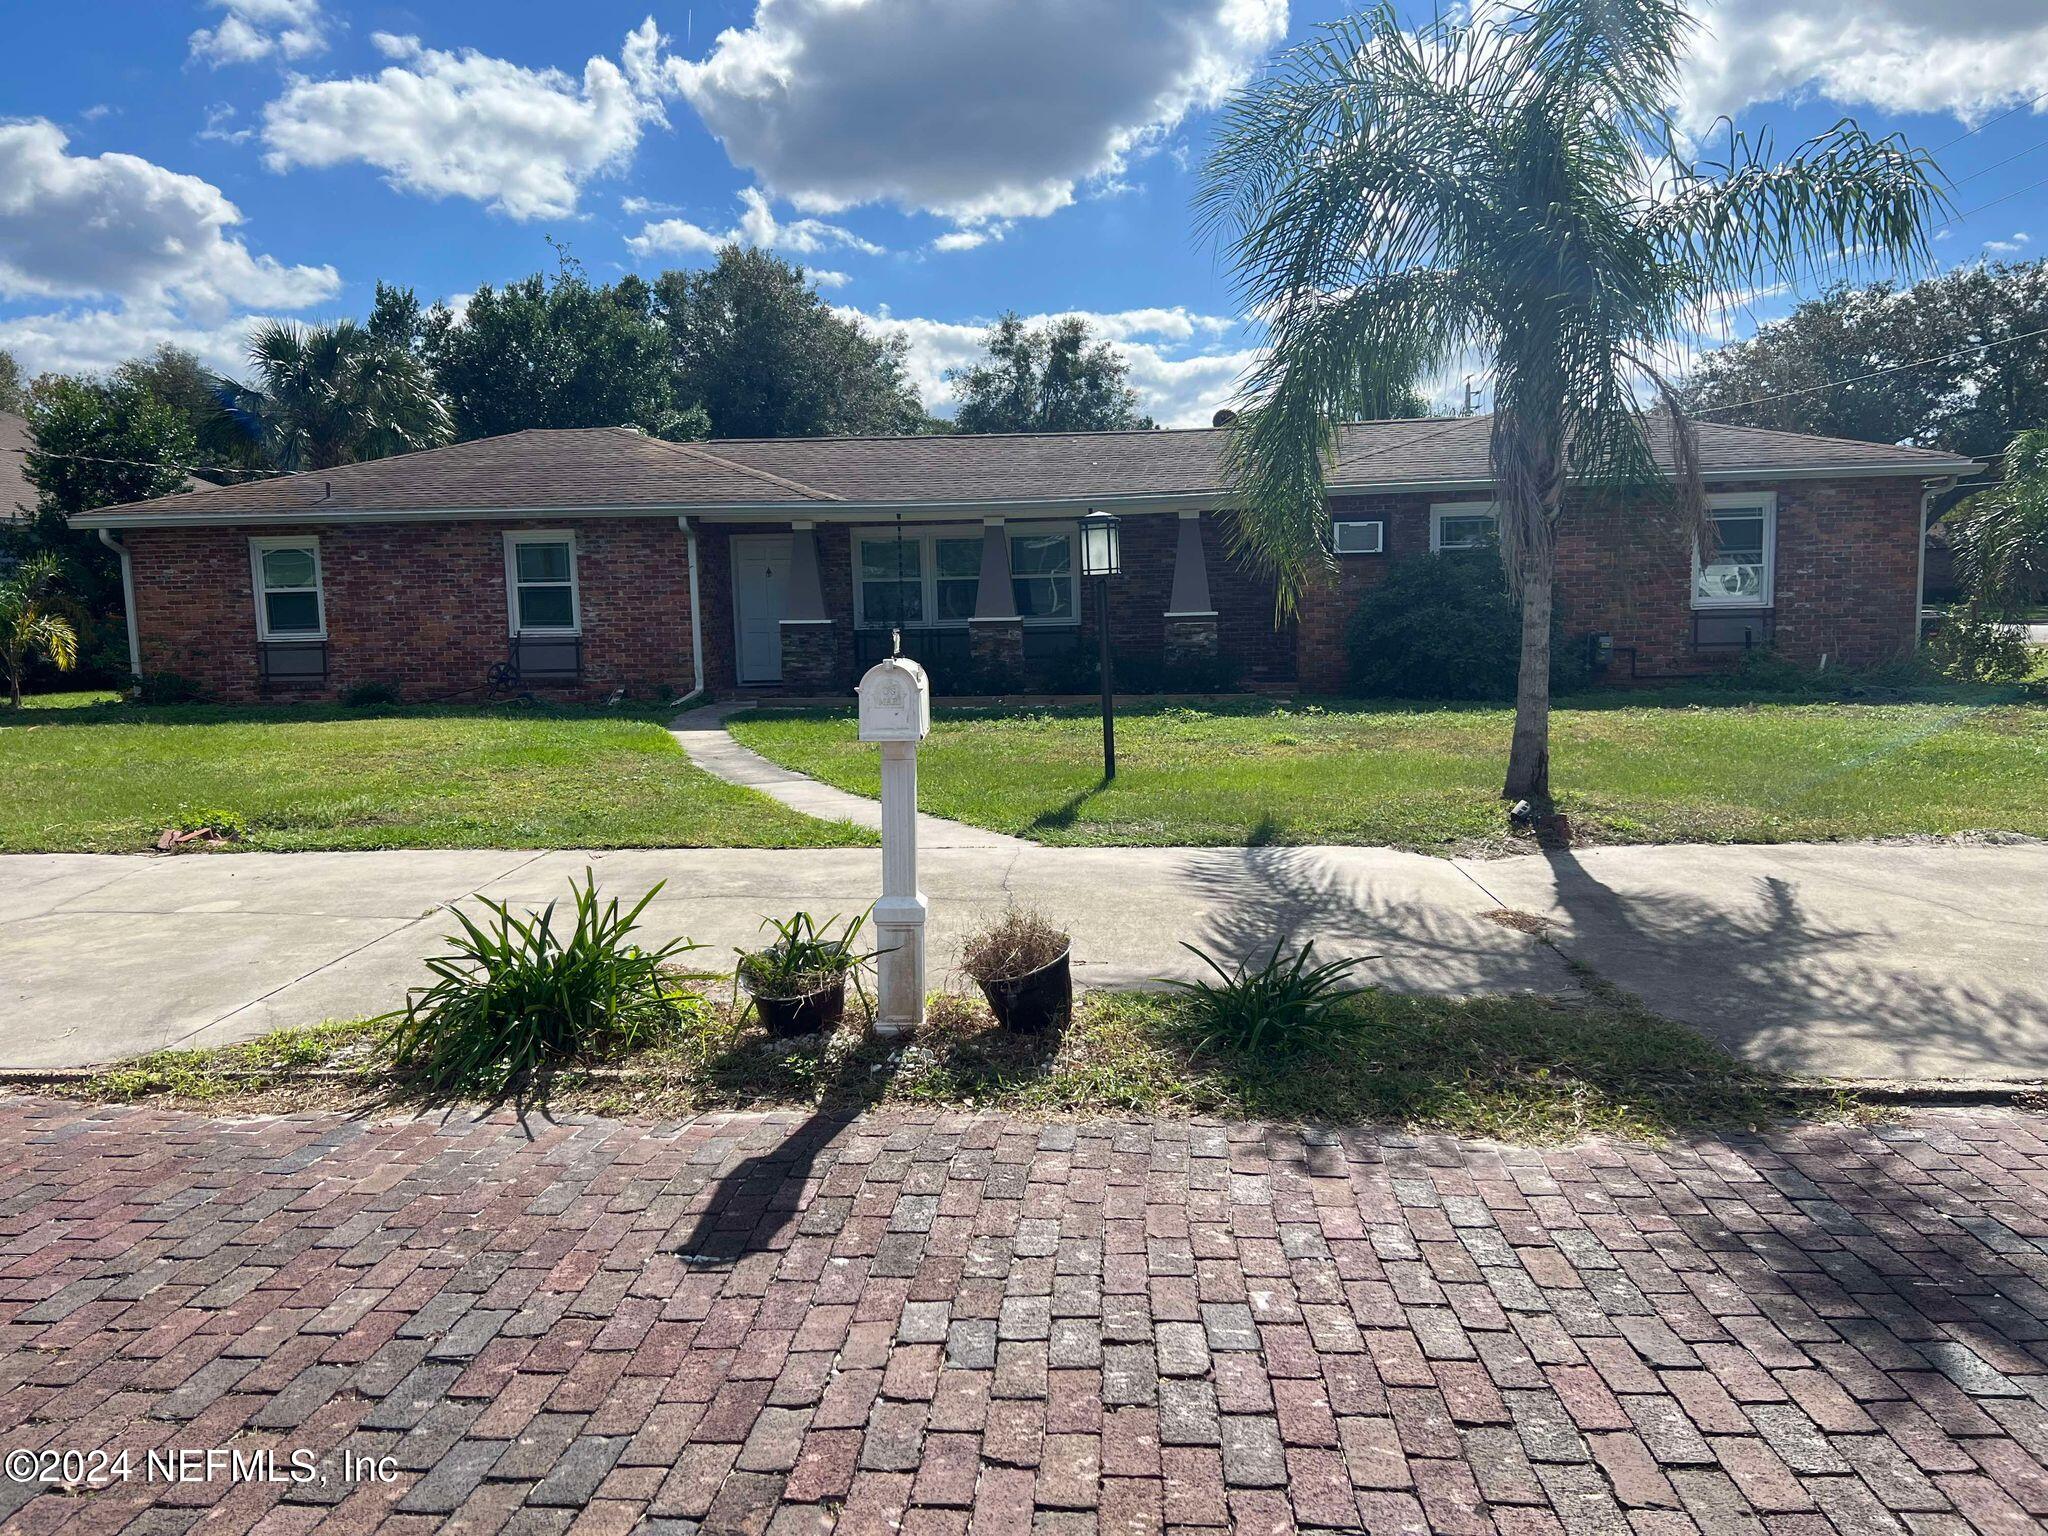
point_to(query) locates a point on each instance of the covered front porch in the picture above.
(989, 605)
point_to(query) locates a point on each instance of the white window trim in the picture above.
(1760, 501)
(1379, 535)
(513, 539)
(257, 548)
(1441, 510)
(927, 535)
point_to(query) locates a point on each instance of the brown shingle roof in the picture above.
(605, 468)
(522, 471)
(16, 494)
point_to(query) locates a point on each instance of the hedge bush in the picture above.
(1443, 627)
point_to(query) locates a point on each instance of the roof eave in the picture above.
(848, 511)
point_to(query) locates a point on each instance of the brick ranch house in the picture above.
(588, 561)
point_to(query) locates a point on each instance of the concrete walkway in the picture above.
(705, 741)
(1921, 962)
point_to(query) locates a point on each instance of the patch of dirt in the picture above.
(1521, 922)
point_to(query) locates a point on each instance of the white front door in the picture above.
(760, 597)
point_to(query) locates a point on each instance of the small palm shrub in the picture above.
(1016, 944)
(1280, 1007)
(1967, 646)
(805, 956)
(514, 1000)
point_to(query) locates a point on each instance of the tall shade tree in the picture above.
(552, 353)
(1054, 378)
(2001, 534)
(1510, 188)
(754, 345)
(94, 443)
(31, 625)
(334, 394)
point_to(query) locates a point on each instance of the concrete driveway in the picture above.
(1846, 961)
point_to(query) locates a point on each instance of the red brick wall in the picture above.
(1846, 574)
(421, 606)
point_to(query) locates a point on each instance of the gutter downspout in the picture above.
(696, 615)
(1934, 489)
(127, 602)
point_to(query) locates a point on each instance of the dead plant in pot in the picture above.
(1022, 963)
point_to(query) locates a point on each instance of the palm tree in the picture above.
(335, 394)
(2001, 533)
(30, 625)
(1513, 187)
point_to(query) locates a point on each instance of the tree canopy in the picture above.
(554, 352)
(751, 342)
(1051, 378)
(1394, 199)
(10, 383)
(1974, 403)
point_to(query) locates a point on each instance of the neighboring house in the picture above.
(17, 496)
(591, 560)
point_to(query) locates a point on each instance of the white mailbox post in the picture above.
(896, 710)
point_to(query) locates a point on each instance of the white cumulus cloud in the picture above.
(971, 109)
(260, 29)
(757, 226)
(465, 124)
(1968, 59)
(2011, 246)
(1179, 365)
(118, 226)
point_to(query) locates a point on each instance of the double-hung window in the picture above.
(289, 602)
(1460, 525)
(930, 578)
(1042, 575)
(540, 582)
(1741, 570)
(956, 576)
(891, 585)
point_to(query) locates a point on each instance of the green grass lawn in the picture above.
(1524, 1069)
(1699, 767)
(86, 772)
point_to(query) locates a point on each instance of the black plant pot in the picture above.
(1036, 1001)
(787, 1017)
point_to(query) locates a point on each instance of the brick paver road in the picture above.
(972, 1323)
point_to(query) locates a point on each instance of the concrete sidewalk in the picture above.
(1925, 962)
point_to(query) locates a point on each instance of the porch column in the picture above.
(1190, 620)
(995, 635)
(810, 649)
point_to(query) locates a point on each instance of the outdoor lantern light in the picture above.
(1100, 559)
(1099, 544)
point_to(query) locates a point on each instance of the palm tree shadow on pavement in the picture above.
(1778, 984)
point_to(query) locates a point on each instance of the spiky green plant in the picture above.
(30, 623)
(513, 1000)
(1279, 1007)
(1509, 187)
(805, 956)
(2001, 533)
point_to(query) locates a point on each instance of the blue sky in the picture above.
(171, 169)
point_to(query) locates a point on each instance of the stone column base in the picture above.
(997, 646)
(1190, 637)
(810, 657)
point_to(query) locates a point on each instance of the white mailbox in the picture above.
(895, 702)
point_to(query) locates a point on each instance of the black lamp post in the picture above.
(1101, 558)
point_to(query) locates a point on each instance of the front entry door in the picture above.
(760, 597)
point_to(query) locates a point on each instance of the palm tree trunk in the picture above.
(1529, 753)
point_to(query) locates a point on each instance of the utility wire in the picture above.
(1921, 362)
(217, 469)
